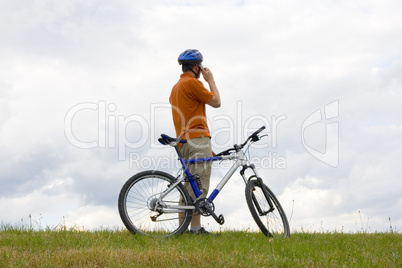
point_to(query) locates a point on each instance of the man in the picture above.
(188, 99)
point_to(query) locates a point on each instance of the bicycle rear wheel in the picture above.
(267, 212)
(137, 202)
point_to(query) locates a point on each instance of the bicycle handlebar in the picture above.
(252, 137)
(259, 130)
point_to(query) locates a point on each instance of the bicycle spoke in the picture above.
(137, 204)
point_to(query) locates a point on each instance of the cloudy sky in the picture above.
(84, 90)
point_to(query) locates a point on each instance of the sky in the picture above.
(84, 90)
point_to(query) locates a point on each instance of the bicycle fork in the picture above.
(263, 188)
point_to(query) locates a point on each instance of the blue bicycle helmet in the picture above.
(191, 56)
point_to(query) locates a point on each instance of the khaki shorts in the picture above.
(198, 148)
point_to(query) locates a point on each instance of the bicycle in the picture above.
(155, 203)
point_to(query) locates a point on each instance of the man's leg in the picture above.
(198, 148)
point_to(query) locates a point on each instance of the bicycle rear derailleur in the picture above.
(206, 208)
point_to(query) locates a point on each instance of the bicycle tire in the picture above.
(135, 202)
(272, 224)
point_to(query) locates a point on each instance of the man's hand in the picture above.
(207, 74)
(209, 77)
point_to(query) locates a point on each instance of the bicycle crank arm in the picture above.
(220, 219)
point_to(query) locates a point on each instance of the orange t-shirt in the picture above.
(188, 99)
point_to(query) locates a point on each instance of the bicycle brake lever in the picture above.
(257, 138)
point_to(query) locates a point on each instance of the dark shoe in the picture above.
(201, 231)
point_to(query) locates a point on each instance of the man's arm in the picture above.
(208, 76)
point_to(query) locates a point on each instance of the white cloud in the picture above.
(269, 59)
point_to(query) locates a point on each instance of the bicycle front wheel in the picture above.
(137, 201)
(266, 210)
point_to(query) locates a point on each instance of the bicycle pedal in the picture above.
(221, 219)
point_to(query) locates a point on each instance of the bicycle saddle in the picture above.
(166, 140)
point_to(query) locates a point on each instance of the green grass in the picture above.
(119, 248)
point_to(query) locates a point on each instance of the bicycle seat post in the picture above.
(178, 151)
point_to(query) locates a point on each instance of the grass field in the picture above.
(119, 248)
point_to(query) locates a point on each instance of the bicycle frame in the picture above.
(241, 161)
